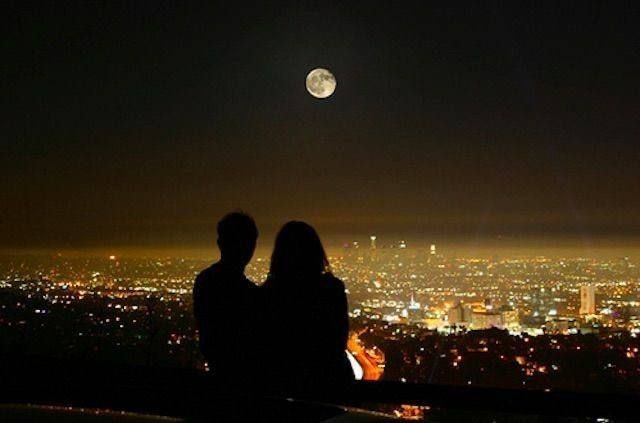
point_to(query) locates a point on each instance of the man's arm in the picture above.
(202, 313)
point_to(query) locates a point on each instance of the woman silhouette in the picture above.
(306, 317)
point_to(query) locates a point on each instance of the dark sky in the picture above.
(144, 123)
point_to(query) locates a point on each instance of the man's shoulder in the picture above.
(206, 275)
(208, 272)
(210, 279)
(215, 275)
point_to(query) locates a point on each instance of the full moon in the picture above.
(321, 83)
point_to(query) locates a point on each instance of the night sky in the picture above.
(144, 123)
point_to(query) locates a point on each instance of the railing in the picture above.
(181, 392)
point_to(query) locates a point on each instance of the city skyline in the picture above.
(533, 317)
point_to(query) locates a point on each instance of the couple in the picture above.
(288, 336)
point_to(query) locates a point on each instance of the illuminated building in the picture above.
(454, 315)
(561, 326)
(486, 320)
(509, 317)
(373, 242)
(414, 311)
(432, 249)
(587, 299)
(413, 304)
(459, 315)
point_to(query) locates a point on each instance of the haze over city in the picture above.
(454, 122)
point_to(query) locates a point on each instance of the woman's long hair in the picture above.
(298, 252)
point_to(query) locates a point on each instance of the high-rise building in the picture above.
(459, 315)
(373, 242)
(587, 299)
(509, 317)
(432, 250)
(413, 304)
(455, 314)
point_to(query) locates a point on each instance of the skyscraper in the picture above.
(413, 305)
(373, 242)
(587, 299)
(455, 314)
(432, 250)
(459, 315)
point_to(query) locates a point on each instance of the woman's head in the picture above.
(298, 252)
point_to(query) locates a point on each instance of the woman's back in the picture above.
(306, 326)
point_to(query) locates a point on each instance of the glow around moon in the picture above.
(321, 83)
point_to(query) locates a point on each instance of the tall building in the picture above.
(587, 299)
(432, 250)
(455, 314)
(414, 311)
(413, 304)
(373, 242)
(509, 317)
(459, 315)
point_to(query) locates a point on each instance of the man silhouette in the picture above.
(223, 298)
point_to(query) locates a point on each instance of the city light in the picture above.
(435, 312)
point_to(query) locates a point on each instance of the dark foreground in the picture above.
(193, 395)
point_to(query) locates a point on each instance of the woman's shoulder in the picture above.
(332, 282)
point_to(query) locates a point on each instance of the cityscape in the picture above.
(467, 170)
(418, 314)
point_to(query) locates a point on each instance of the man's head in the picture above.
(237, 236)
